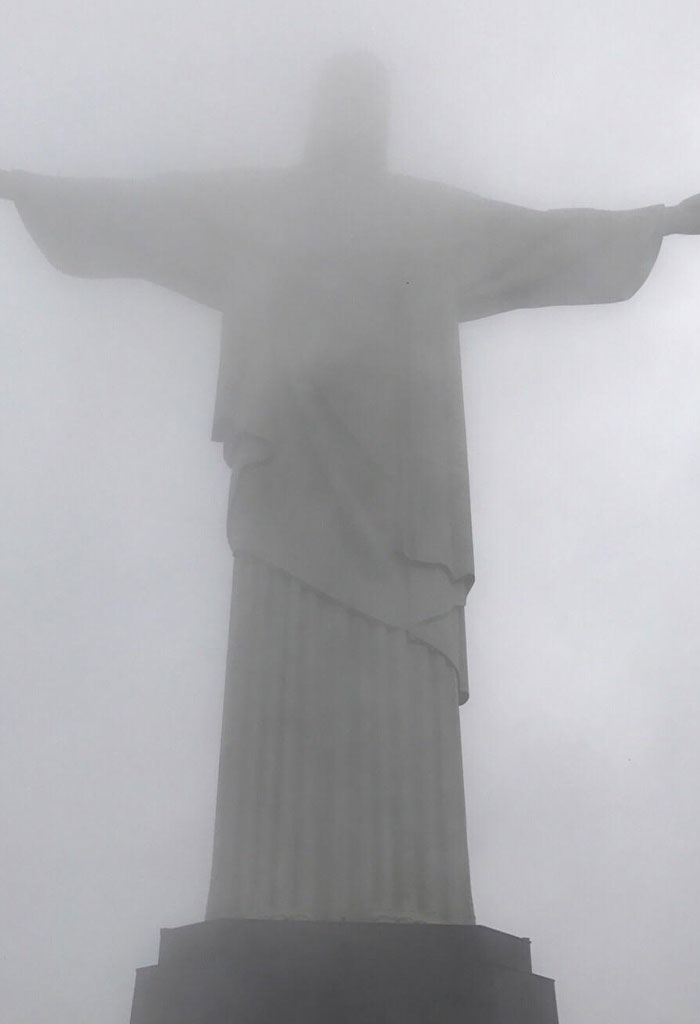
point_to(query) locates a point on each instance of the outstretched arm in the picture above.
(512, 257)
(165, 229)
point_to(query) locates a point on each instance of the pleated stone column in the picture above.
(340, 785)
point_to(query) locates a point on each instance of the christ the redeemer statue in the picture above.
(339, 408)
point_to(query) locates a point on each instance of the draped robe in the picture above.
(339, 407)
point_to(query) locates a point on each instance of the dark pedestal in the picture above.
(306, 972)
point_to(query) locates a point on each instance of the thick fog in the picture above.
(580, 747)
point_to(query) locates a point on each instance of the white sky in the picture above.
(581, 750)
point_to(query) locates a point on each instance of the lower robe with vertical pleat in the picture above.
(340, 786)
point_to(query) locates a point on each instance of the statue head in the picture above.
(350, 114)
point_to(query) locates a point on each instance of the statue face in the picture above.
(350, 114)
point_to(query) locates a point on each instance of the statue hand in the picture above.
(684, 219)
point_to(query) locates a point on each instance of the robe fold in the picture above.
(339, 406)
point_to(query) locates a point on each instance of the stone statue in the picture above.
(339, 409)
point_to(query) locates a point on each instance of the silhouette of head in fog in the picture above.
(350, 115)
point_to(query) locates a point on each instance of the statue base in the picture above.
(308, 972)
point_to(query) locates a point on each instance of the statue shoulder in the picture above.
(446, 209)
(440, 195)
(229, 197)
